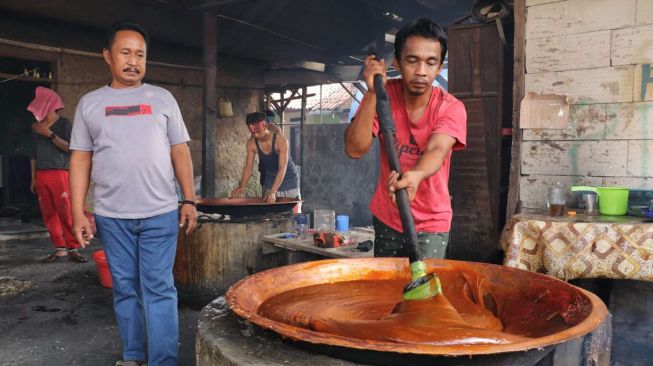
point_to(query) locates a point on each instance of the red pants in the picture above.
(54, 200)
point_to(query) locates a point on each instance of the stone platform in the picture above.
(225, 339)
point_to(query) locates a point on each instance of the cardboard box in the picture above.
(544, 111)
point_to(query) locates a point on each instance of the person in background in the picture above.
(131, 138)
(281, 179)
(269, 118)
(49, 165)
(430, 123)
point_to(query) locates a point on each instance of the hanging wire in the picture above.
(26, 73)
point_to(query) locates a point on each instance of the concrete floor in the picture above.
(66, 318)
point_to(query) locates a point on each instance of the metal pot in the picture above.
(612, 200)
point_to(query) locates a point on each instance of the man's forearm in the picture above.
(32, 168)
(437, 150)
(429, 163)
(80, 176)
(245, 178)
(358, 135)
(60, 143)
(183, 166)
(278, 179)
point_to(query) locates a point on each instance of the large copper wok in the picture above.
(508, 286)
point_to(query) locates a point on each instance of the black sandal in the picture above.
(52, 258)
(76, 257)
(130, 363)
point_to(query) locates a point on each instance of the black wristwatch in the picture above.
(188, 202)
(52, 136)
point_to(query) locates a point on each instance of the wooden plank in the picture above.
(474, 47)
(534, 188)
(307, 245)
(590, 158)
(530, 3)
(209, 105)
(472, 202)
(632, 46)
(586, 122)
(476, 63)
(324, 252)
(361, 234)
(563, 52)
(629, 121)
(588, 86)
(461, 43)
(493, 114)
(644, 12)
(518, 92)
(579, 16)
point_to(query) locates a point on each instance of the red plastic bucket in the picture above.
(102, 268)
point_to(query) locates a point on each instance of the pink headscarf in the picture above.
(46, 101)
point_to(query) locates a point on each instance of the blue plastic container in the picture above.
(342, 223)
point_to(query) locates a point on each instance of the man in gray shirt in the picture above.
(130, 139)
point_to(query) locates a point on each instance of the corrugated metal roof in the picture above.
(334, 97)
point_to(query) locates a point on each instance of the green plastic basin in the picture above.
(612, 200)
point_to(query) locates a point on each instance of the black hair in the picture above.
(254, 117)
(269, 114)
(425, 28)
(110, 33)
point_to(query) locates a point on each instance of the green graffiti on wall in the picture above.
(647, 78)
(644, 109)
(573, 158)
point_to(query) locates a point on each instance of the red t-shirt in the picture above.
(432, 205)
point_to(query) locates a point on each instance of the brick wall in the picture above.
(599, 53)
(333, 181)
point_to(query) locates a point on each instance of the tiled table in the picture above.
(570, 247)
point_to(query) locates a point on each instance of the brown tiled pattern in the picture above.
(569, 248)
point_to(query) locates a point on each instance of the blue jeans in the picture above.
(141, 253)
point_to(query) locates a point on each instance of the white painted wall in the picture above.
(597, 52)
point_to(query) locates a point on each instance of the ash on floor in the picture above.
(66, 317)
(12, 286)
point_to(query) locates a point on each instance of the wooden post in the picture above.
(209, 105)
(518, 87)
(302, 121)
(282, 115)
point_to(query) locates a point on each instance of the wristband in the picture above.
(188, 202)
(52, 136)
